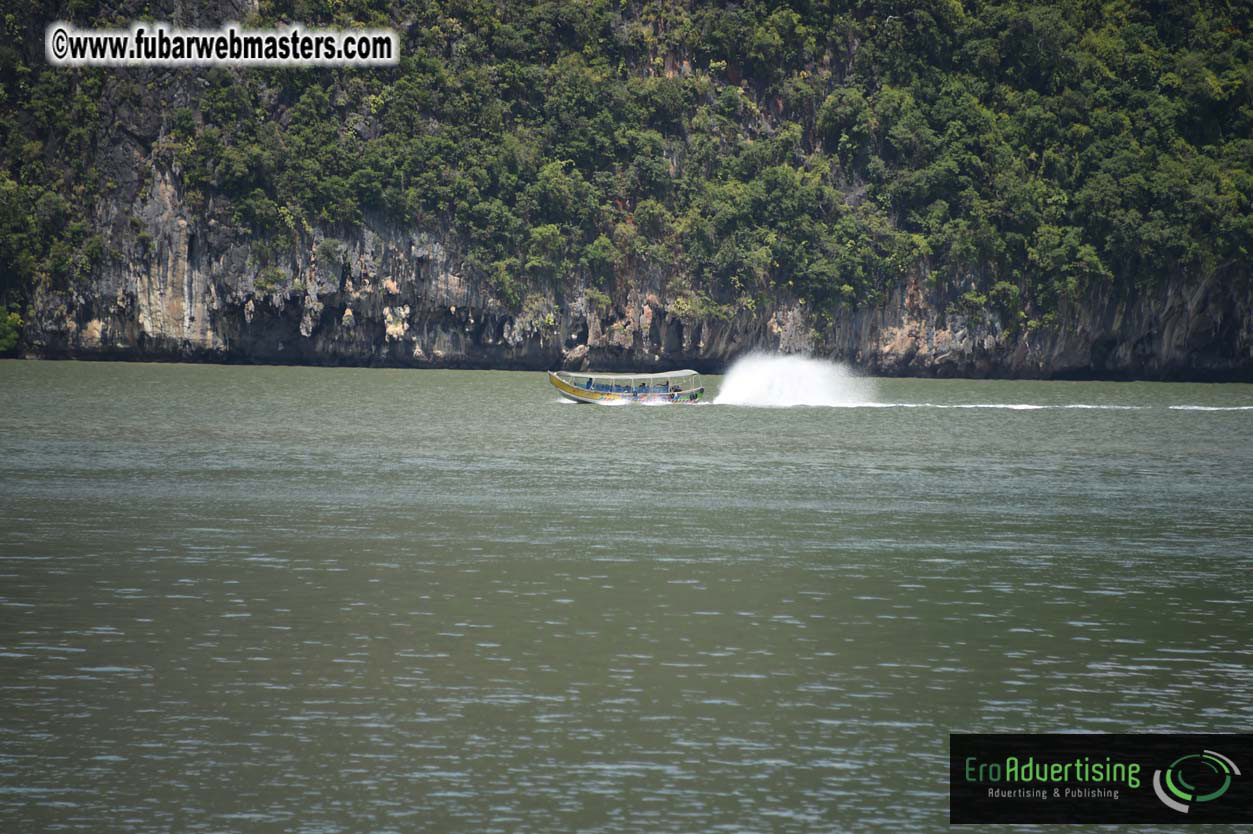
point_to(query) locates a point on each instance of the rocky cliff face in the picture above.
(392, 296)
(187, 290)
(181, 282)
(1174, 330)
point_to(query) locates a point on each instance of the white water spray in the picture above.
(780, 381)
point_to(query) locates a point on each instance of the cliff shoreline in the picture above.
(184, 283)
(1007, 192)
(391, 297)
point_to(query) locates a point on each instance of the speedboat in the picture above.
(587, 387)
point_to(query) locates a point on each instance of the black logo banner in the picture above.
(1090, 778)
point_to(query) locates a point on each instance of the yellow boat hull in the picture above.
(585, 395)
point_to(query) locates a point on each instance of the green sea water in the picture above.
(341, 600)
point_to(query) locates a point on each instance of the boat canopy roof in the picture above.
(668, 375)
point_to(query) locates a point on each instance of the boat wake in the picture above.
(1009, 406)
(1211, 408)
(1017, 406)
(778, 381)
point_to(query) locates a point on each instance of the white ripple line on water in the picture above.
(1013, 406)
(1211, 408)
(1006, 406)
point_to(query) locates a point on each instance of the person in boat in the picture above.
(589, 383)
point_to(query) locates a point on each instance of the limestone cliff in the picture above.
(173, 214)
(393, 296)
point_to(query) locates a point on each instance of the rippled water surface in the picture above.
(340, 600)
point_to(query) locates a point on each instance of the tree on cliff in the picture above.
(1019, 152)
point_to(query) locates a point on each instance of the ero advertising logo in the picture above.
(1196, 777)
(1089, 778)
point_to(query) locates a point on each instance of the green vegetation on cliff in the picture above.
(1021, 153)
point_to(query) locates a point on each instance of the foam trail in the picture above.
(1211, 408)
(776, 380)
